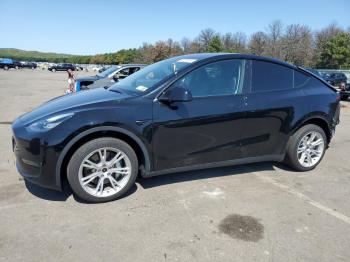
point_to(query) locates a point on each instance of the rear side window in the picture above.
(268, 76)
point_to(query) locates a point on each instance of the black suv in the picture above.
(184, 113)
(61, 67)
(30, 65)
(6, 64)
(336, 79)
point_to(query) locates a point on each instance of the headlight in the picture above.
(49, 123)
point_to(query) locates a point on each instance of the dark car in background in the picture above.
(30, 65)
(184, 113)
(338, 80)
(17, 64)
(107, 77)
(335, 79)
(314, 71)
(7, 63)
(61, 67)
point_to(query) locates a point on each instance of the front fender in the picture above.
(85, 133)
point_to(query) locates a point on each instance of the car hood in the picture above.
(73, 102)
(88, 78)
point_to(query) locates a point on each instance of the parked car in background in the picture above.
(30, 65)
(98, 69)
(338, 80)
(78, 68)
(17, 64)
(61, 67)
(108, 77)
(6, 63)
(314, 71)
(335, 79)
(184, 113)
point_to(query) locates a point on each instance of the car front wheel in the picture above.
(102, 170)
(306, 148)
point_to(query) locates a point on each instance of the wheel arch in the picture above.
(103, 131)
(318, 120)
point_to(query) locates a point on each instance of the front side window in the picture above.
(124, 72)
(267, 76)
(215, 79)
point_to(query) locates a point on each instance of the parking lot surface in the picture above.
(257, 212)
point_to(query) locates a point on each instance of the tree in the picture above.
(205, 38)
(258, 43)
(320, 40)
(297, 45)
(274, 36)
(185, 44)
(336, 53)
(215, 45)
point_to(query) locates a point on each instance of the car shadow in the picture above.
(49, 194)
(209, 173)
(53, 195)
(146, 183)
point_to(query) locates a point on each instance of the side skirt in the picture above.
(277, 158)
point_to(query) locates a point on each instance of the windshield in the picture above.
(108, 71)
(150, 76)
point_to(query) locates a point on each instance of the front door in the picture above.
(206, 129)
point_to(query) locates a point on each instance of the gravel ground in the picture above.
(258, 212)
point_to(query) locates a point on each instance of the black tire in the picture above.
(87, 148)
(291, 152)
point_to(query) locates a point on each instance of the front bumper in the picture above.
(35, 162)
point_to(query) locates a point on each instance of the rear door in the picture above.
(206, 129)
(270, 109)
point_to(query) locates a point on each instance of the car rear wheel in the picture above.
(102, 170)
(306, 148)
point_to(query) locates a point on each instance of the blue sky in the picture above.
(99, 26)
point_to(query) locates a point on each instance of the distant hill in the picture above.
(120, 57)
(19, 54)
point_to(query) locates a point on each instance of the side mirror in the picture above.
(176, 94)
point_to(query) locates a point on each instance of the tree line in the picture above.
(294, 43)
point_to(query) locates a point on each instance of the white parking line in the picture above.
(305, 198)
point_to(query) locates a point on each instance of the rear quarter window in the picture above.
(303, 80)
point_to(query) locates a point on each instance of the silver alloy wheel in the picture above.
(310, 149)
(104, 172)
